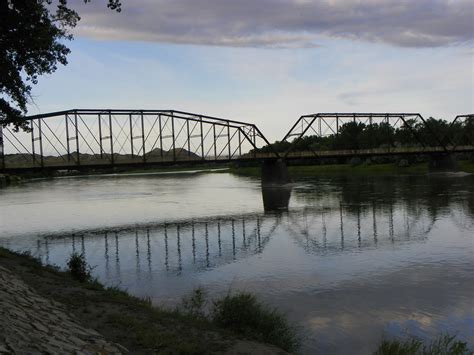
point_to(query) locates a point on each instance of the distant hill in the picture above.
(153, 155)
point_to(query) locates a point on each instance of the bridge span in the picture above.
(82, 139)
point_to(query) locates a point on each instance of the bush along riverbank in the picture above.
(237, 323)
(6, 180)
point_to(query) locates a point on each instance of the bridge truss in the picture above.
(330, 124)
(95, 138)
(461, 132)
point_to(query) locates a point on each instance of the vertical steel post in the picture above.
(189, 139)
(254, 142)
(40, 137)
(202, 141)
(228, 138)
(33, 141)
(111, 139)
(67, 138)
(337, 124)
(356, 138)
(143, 137)
(100, 137)
(77, 139)
(131, 134)
(173, 138)
(240, 143)
(215, 141)
(389, 135)
(371, 130)
(161, 136)
(319, 124)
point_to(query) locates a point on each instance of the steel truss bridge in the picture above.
(84, 138)
(326, 124)
(104, 138)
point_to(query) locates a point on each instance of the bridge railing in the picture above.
(85, 137)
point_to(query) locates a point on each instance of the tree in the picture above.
(32, 35)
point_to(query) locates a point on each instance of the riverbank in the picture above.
(360, 170)
(91, 318)
(294, 170)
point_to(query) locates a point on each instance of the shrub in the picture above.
(243, 314)
(78, 267)
(443, 345)
(195, 304)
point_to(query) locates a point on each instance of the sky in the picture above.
(268, 61)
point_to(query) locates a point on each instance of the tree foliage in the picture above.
(32, 36)
(357, 135)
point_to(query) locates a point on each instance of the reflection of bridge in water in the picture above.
(177, 247)
(207, 244)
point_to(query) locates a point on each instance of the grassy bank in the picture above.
(237, 323)
(341, 169)
(143, 328)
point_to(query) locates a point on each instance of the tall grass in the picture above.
(443, 345)
(243, 314)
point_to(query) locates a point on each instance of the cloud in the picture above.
(282, 23)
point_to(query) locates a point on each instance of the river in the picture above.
(347, 259)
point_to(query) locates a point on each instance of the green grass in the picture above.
(243, 314)
(140, 326)
(443, 345)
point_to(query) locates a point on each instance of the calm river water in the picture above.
(349, 260)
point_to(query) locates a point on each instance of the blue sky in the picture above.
(268, 75)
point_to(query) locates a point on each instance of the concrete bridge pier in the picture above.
(274, 172)
(275, 189)
(442, 162)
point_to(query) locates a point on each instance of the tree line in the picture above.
(358, 135)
